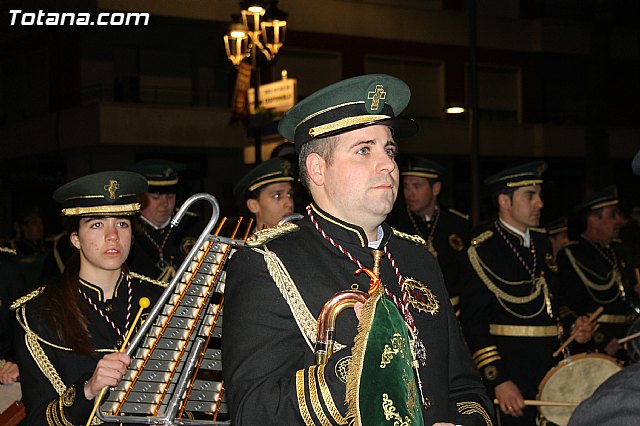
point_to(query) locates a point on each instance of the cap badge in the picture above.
(286, 168)
(376, 96)
(167, 172)
(112, 187)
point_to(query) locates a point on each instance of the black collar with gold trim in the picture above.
(344, 232)
(510, 233)
(95, 292)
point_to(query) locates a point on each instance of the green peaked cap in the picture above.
(348, 105)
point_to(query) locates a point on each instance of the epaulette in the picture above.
(263, 236)
(8, 250)
(141, 277)
(416, 239)
(539, 230)
(24, 299)
(481, 238)
(457, 213)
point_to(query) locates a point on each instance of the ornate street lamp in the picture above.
(261, 31)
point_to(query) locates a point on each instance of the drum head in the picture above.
(574, 380)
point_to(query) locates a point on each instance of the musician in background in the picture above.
(12, 286)
(267, 191)
(558, 233)
(594, 273)
(615, 402)
(72, 328)
(446, 231)
(158, 249)
(508, 313)
(345, 135)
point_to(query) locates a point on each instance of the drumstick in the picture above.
(537, 402)
(144, 303)
(629, 337)
(592, 318)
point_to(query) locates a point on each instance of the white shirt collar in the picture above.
(375, 244)
(164, 225)
(526, 236)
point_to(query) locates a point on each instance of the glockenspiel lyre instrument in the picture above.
(175, 375)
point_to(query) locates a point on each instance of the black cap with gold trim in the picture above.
(278, 169)
(523, 175)
(421, 167)
(605, 197)
(111, 193)
(162, 175)
(557, 226)
(348, 105)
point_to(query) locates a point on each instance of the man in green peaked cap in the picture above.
(595, 272)
(267, 191)
(159, 248)
(508, 309)
(347, 137)
(447, 231)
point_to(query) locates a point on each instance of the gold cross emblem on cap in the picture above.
(286, 167)
(112, 187)
(376, 96)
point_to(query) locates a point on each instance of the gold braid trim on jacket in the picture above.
(471, 407)
(307, 324)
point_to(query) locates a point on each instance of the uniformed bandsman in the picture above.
(71, 329)
(159, 249)
(507, 309)
(446, 231)
(267, 191)
(594, 273)
(345, 135)
(558, 233)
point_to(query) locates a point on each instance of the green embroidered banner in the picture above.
(381, 385)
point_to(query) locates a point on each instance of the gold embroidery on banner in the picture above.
(302, 400)
(472, 407)
(326, 395)
(397, 347)
(431, 306)
(313, 396)
(411, 396)
(391, 412)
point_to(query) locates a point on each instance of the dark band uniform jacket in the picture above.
(54, 374)
(447, 234)
(158, 252)
(509, 319)
(268, 354)
(593, 275)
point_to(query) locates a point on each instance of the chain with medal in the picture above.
(420, 350)
(161, 264)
